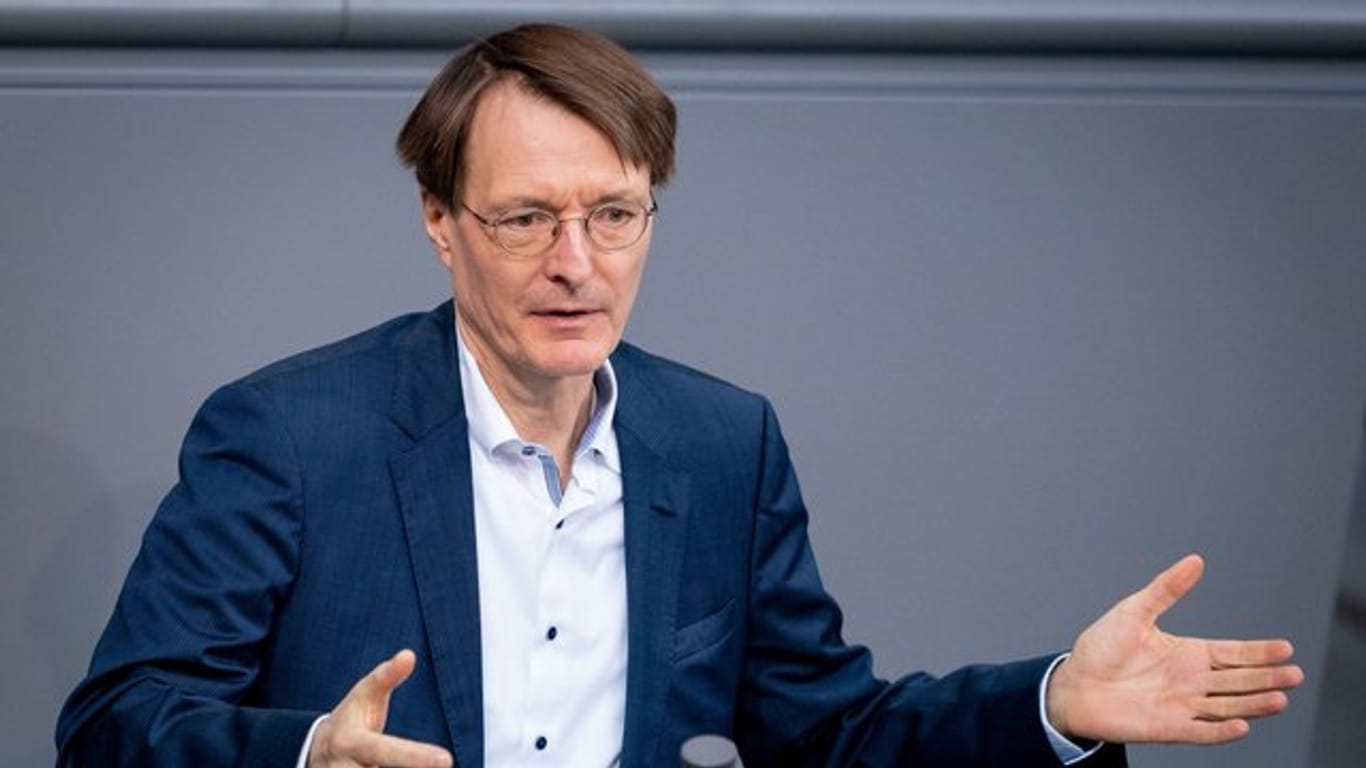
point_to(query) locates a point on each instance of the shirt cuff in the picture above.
(308, 740)
(1067, 751)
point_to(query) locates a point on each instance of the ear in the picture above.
(439, 222)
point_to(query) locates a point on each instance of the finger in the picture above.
(1209, 731)
(368, 700)
(394, 752)
(392, 673)
(385, 677)
(1239, 707)
(1170, 585)
(1249, 653)
(1253, 680)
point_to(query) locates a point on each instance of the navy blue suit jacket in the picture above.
(324, 520)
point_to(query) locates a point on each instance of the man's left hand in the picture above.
(1128, 681)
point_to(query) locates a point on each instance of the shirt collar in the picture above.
(491, 429)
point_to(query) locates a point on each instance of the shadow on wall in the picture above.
(1338, 738)
(68, 540)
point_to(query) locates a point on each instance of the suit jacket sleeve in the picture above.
(172, 677)
(809, 699)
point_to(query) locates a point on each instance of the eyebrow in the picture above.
(531, 201)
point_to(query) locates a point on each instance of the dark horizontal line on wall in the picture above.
(1162, 27)
(293, 71)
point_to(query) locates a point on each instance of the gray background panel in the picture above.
(1035, 327)
(1229, 26)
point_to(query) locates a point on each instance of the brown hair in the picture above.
(582, 71)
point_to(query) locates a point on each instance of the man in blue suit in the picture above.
(565, 550)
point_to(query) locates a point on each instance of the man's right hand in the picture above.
(353, 734)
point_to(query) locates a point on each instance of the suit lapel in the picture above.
(655, 498)
(436, 497)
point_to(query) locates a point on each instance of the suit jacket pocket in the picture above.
(704, 633)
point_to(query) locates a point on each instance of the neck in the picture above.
(555, 416)
(549, 411)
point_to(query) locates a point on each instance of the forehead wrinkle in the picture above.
(623, 195)
(520, 190)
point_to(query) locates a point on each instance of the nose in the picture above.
(570, 259)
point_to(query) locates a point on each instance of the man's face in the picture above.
(560, 314)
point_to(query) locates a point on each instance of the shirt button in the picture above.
(541, 742)
(551, 633)
(528, 450)
(559, 525)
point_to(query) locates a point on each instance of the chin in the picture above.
(578, 360)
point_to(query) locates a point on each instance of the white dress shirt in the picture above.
(552, 586)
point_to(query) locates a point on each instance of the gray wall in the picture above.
(1036, 324)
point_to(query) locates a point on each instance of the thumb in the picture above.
(369, 697)
(393, 672)
(1170, 586)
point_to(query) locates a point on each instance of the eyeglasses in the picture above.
(530, 232)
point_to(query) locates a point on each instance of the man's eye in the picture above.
(526, 220)
(614, 215)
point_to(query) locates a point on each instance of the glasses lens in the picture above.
(525, 232)
(617, 225)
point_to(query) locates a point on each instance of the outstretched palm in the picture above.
(1128, 681)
